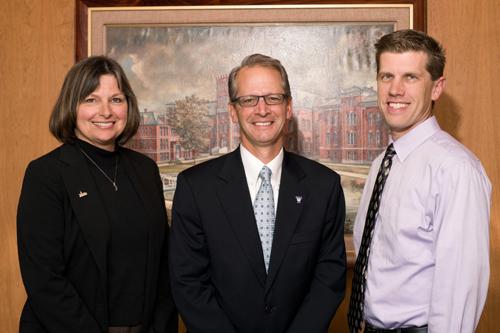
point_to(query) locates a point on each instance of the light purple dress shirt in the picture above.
(429, 259)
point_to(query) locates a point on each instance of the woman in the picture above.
(92, 224)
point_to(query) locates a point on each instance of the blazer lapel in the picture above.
(236, 202)
(87, 204)
(293, 195)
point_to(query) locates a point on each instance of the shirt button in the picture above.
(269, 308)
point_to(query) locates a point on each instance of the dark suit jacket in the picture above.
(217, 268)
(63, 239)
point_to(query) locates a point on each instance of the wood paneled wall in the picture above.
(37, 49)
(470, 32)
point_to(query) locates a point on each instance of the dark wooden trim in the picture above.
(419, 13)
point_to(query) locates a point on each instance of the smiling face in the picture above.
(406, 90)
(262, 126)
(101, 117)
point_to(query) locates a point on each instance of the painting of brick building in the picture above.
(225, 133)
(156, 139)
(180, 76)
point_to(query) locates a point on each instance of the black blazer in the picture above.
(217, 268)
(63, 233)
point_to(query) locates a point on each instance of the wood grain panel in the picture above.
(470, 32)
(37, 47)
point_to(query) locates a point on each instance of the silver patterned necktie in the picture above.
(263, 209)
(356, 304)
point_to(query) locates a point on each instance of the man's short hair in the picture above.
(411, 40)
(81, 80)
(262, 61)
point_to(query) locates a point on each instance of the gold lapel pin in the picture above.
(82, 194)
(298, 198)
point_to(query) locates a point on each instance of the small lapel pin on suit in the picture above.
(298, 198)
(82, 194)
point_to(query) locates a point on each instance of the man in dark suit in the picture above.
(241, 266)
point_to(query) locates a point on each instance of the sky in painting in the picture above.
(165, 64)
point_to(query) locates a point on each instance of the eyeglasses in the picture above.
(252, 100)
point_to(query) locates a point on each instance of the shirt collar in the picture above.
(415, 137)
(253, 165)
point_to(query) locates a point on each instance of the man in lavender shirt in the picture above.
(428, 264)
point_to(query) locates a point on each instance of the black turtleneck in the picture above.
(128, 242)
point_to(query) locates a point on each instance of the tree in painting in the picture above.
(190, 122)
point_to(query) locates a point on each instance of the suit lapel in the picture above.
(235, 199)
(292, 197)
(87, 204)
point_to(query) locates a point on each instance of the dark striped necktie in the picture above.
(356, 304)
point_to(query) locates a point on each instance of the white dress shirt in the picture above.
(429, 259)
(253, 165)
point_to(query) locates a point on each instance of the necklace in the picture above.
(113, 181)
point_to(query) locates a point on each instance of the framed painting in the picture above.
(178, 58)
